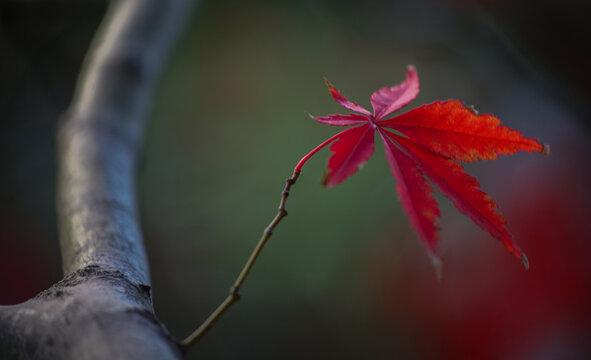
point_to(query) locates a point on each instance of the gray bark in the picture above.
(102, 308)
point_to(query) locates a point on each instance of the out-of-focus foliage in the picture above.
(344, 275)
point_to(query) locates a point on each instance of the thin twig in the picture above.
(234, 294)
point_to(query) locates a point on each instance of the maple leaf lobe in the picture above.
(343, 101)
(387, 100)
(450, 129)
(350, 152)
(415, 193)
(462, 189)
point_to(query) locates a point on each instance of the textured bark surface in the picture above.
(90, 314)
(102, 308)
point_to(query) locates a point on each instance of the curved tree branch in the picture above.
(102, 309)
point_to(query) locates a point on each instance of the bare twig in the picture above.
(234, 294)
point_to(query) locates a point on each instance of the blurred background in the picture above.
(344, 276)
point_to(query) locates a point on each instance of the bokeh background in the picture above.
(344, 276)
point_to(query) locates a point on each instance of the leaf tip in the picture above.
(524, 261)
(437, 265)
(411, 71)
(471, 108)
(325, 180)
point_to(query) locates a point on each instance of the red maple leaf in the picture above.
(422, 143)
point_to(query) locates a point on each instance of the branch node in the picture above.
(235, 292)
